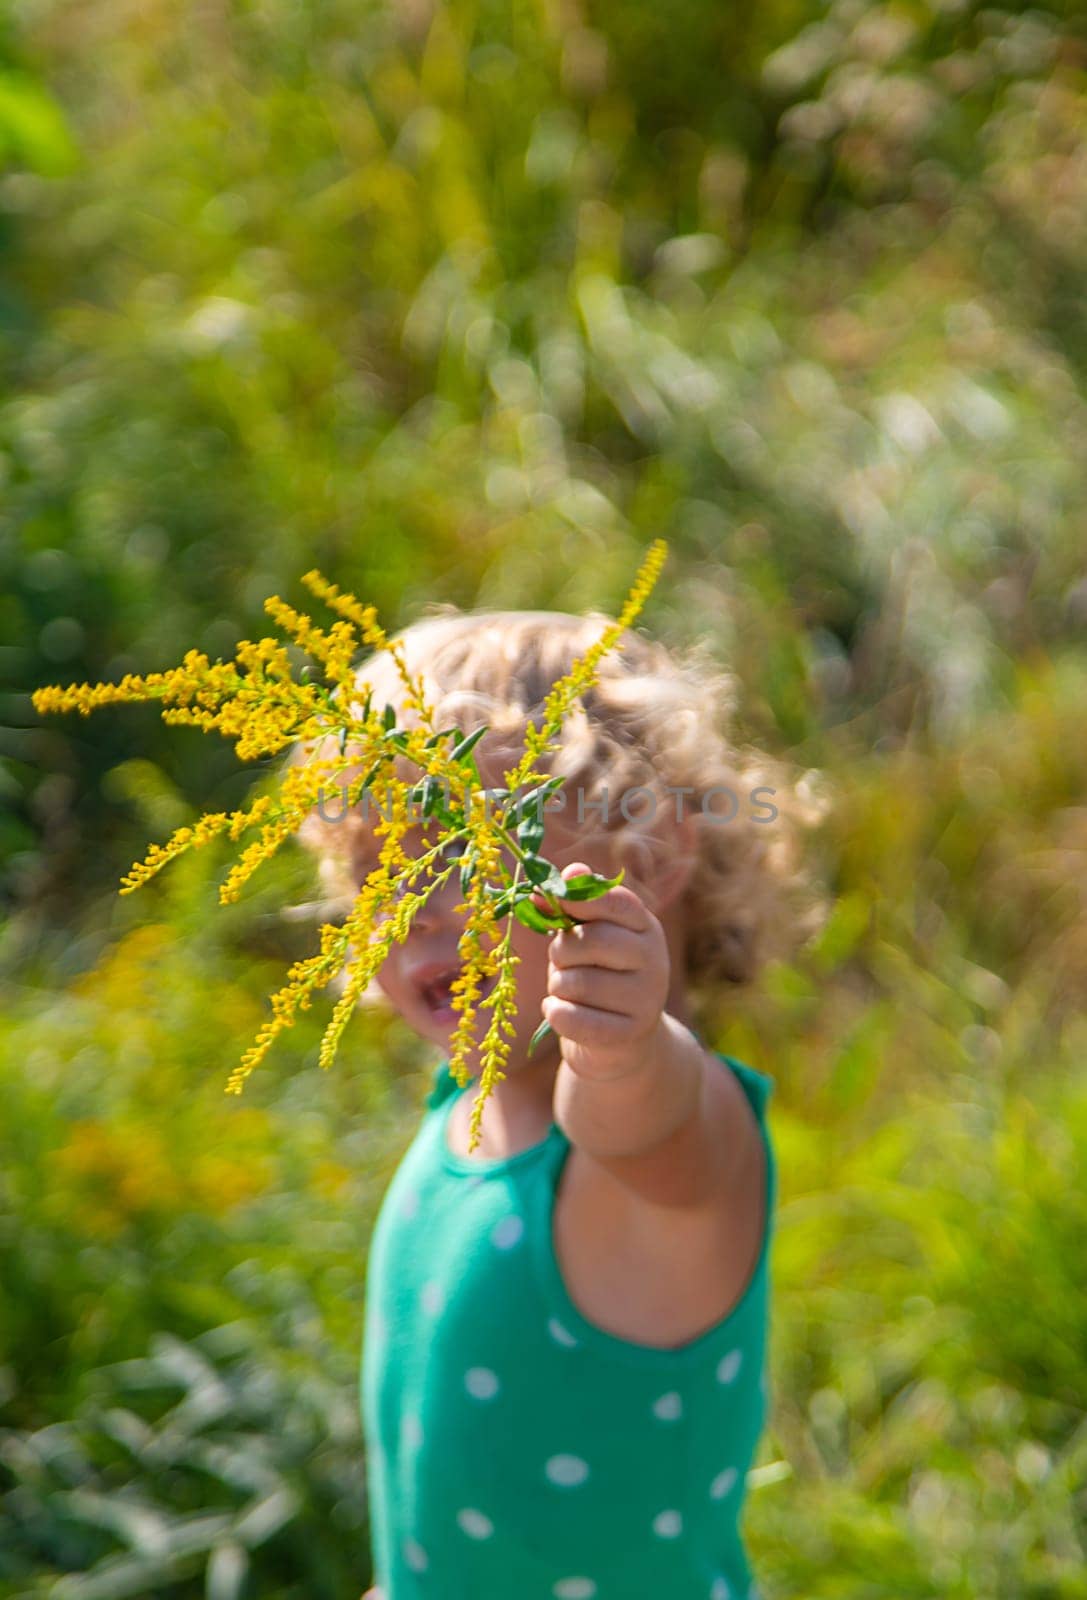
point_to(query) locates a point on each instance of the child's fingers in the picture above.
(598, 944)
(587, 1025)
(617, 992)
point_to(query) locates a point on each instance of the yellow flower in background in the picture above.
(255, 701)
(117, 1174)
(331, 1178)
(122, 1176)
(126, 970)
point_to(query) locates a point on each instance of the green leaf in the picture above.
(535, 869)
(467, 744)
(429, 795)
(466, 866)
(501, 896)
(530, 834)
(542, 874)
(541, 1033)
(444, 733)
(534, 918)
(374, 770)
(537, 798)
(589, 885)
(388, 718)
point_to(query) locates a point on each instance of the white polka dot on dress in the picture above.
(574, 1589)
(481, 1383)
(432, 1299)
(720, 1590)
(409, 1206)
(729, 1366)
(507, 1232)
(668, 1524)
(560, 1334)
(474, 1523)
(669, 1408)
(566, 1471)
(415, 1556)
(722, 1484)
(411, 1433)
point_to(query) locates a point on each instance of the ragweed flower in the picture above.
(256, 701)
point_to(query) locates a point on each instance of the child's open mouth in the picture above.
(437, 994)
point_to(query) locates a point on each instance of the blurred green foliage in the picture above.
(468, 303)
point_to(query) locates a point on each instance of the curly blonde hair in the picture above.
(655, 720)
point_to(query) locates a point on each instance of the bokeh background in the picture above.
(468, 302)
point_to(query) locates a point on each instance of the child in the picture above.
(564, 1363)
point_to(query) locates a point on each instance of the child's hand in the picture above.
(607, 982)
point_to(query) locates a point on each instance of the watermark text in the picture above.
(639, 806)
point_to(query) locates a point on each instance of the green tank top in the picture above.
(515, 1451)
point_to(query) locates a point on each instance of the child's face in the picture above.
(415, 975)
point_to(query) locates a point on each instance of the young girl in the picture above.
(564, 1373)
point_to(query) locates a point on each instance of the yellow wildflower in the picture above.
(334, 649)
(583, 673)
(364, 617)
(87, 697)
(496, 1045)
(477, 962)
(255, 701)
(182, 839)
(362, 972)
(295, 995)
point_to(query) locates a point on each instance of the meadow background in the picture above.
(469, 302)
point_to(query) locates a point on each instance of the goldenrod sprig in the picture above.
(582, 674)
(256, 701)
(295, 995)
(365, 618)
(496, 1044)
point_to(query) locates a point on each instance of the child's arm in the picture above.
(677, 1131)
